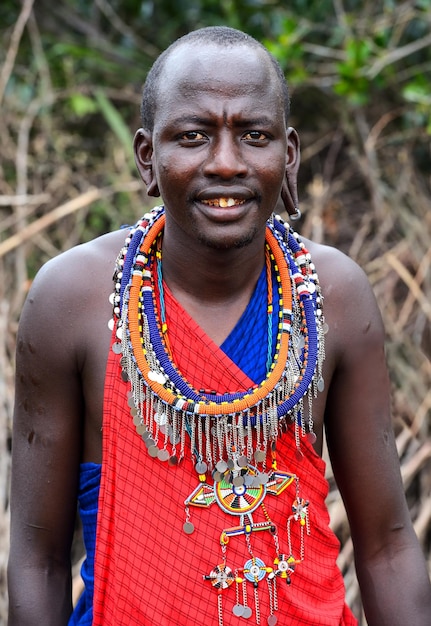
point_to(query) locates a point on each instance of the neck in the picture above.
(211, 275)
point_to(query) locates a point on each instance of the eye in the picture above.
(255, 136)
(192, 135)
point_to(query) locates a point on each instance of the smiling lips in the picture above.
(223, 202)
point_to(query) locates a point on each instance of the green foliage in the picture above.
(115, 122)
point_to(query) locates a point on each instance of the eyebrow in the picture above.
(207, 121)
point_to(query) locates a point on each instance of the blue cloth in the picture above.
(247, 344)
(89, 483)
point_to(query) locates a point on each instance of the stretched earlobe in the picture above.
(289, 189)
(143, 151)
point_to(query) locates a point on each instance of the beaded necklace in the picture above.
(232, 435)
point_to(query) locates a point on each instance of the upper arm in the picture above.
(47, 422)
(358, 419)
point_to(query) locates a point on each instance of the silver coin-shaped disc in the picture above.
(201, 467)
(116, 348)
(272, 620)
(173, 460)
(264, 477)
(217, 477)
(259, 455)
(188, 528)
(153, 451)
(221, 466)
(248, 480)
(247, 613)
(163, 455)
(238, 481)
(148, 438)
(320, 385)
(242, 461)
(311, 438)
(238, 610)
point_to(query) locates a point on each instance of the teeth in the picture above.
(223, 202)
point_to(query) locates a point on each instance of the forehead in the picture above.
(196, 75)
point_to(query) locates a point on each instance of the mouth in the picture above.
(223, 203)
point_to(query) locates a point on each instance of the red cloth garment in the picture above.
(148, 571)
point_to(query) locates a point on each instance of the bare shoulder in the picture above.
(350, 306)
(335, 268)
(81, 266)
(70, 292)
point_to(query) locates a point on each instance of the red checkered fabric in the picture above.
(148, 571)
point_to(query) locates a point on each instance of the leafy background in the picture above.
(360, 74)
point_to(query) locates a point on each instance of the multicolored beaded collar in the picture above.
(295, 372)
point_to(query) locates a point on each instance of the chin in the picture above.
(226, 241)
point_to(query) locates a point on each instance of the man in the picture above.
(210, 397)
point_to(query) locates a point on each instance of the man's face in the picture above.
(219, 144)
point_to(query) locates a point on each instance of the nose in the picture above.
(225, 159)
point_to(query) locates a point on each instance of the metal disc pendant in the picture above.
(221, 466)
(264, 477)
(248, 480)
(260, 456)
(257, 481)
(247, 613)
(116, 348)
(201, 467)
(173, 460)
(311, 438)
(320, 385)
(148, 439)
(130, 401)
(242, 461)
(141, 429)
(272, 620)
(163, 455)
(217, 476)
(238, 610)
(188, 528)
(153, 451)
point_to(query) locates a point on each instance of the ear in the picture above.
(289, 190)
(143, 150)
